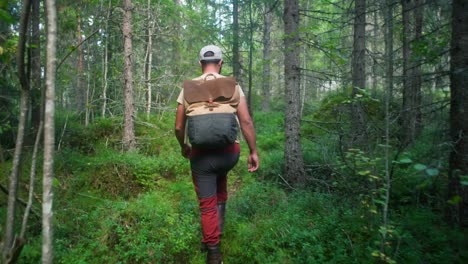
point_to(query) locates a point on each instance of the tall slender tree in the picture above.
(36, 84)
(49, 133)
(294, 163)
(80, 90)
(266, 77)
(149, 57)
(105, 63)
(388, 14)
(458, 211)
(359, 69)
(411, 113)
(129, 132)
(24, 106)
(235, 39)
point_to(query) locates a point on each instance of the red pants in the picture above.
(209, 175)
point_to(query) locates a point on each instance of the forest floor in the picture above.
(115, 207)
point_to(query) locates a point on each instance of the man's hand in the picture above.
(186, 150)
(253, 162)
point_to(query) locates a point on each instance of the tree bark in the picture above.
(375, 36)
(388, 10)
(294, 163)
(251, 47)
(14, 175)
(36, 89)
(80, 90)
(458, 211)
(49, 134)
(359, 71)
(411, 113)
(128, 133)
(235, 39)
(105, 62)
(149, 60)
(267, 21)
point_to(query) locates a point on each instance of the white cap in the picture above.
(217, 54)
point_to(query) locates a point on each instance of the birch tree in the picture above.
(49, 133)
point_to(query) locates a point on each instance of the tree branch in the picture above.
(75, 48)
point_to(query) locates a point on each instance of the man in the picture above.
(210, 166)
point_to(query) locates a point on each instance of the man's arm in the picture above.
(180, 130)
(248, 131)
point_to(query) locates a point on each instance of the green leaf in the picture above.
(55, 183)
(455, 200)
(6, 17)
(464, 180)
(405, 161)
(420, 167)
(432, 172)
(366, 172)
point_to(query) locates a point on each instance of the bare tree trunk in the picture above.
(80, 91)
(105, 63)
(14, 176)
(149, 60)
(129, 133)
(294, 163)
(88, 84)
(49, 137)
(418, 20)
(359, 70)
(36, 89)
(251, 47)
(235, 39)
(267, 21)
(303, 84)
(458, 211)
(375, 36)
(388, 9)
(32, 179)
(388, 14)
(411, 115)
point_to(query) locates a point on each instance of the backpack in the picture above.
(210, 107)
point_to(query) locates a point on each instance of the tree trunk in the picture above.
(267, 21)
(251, 47)
(458, 211)
(149, 60)
(388, 15)
(388, 9)
(375, 36)
(418, 22)
(105, 63)
(14, 176)
(359, 70)
(49, 134)
(235, 39)
(36, 89)
(128, 133)
(80, 90)
(411, 115)
(294, 163)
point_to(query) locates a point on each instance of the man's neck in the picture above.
(211, 70)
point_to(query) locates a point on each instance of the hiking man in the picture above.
(210, 105)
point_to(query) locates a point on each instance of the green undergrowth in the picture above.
(140, 207)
